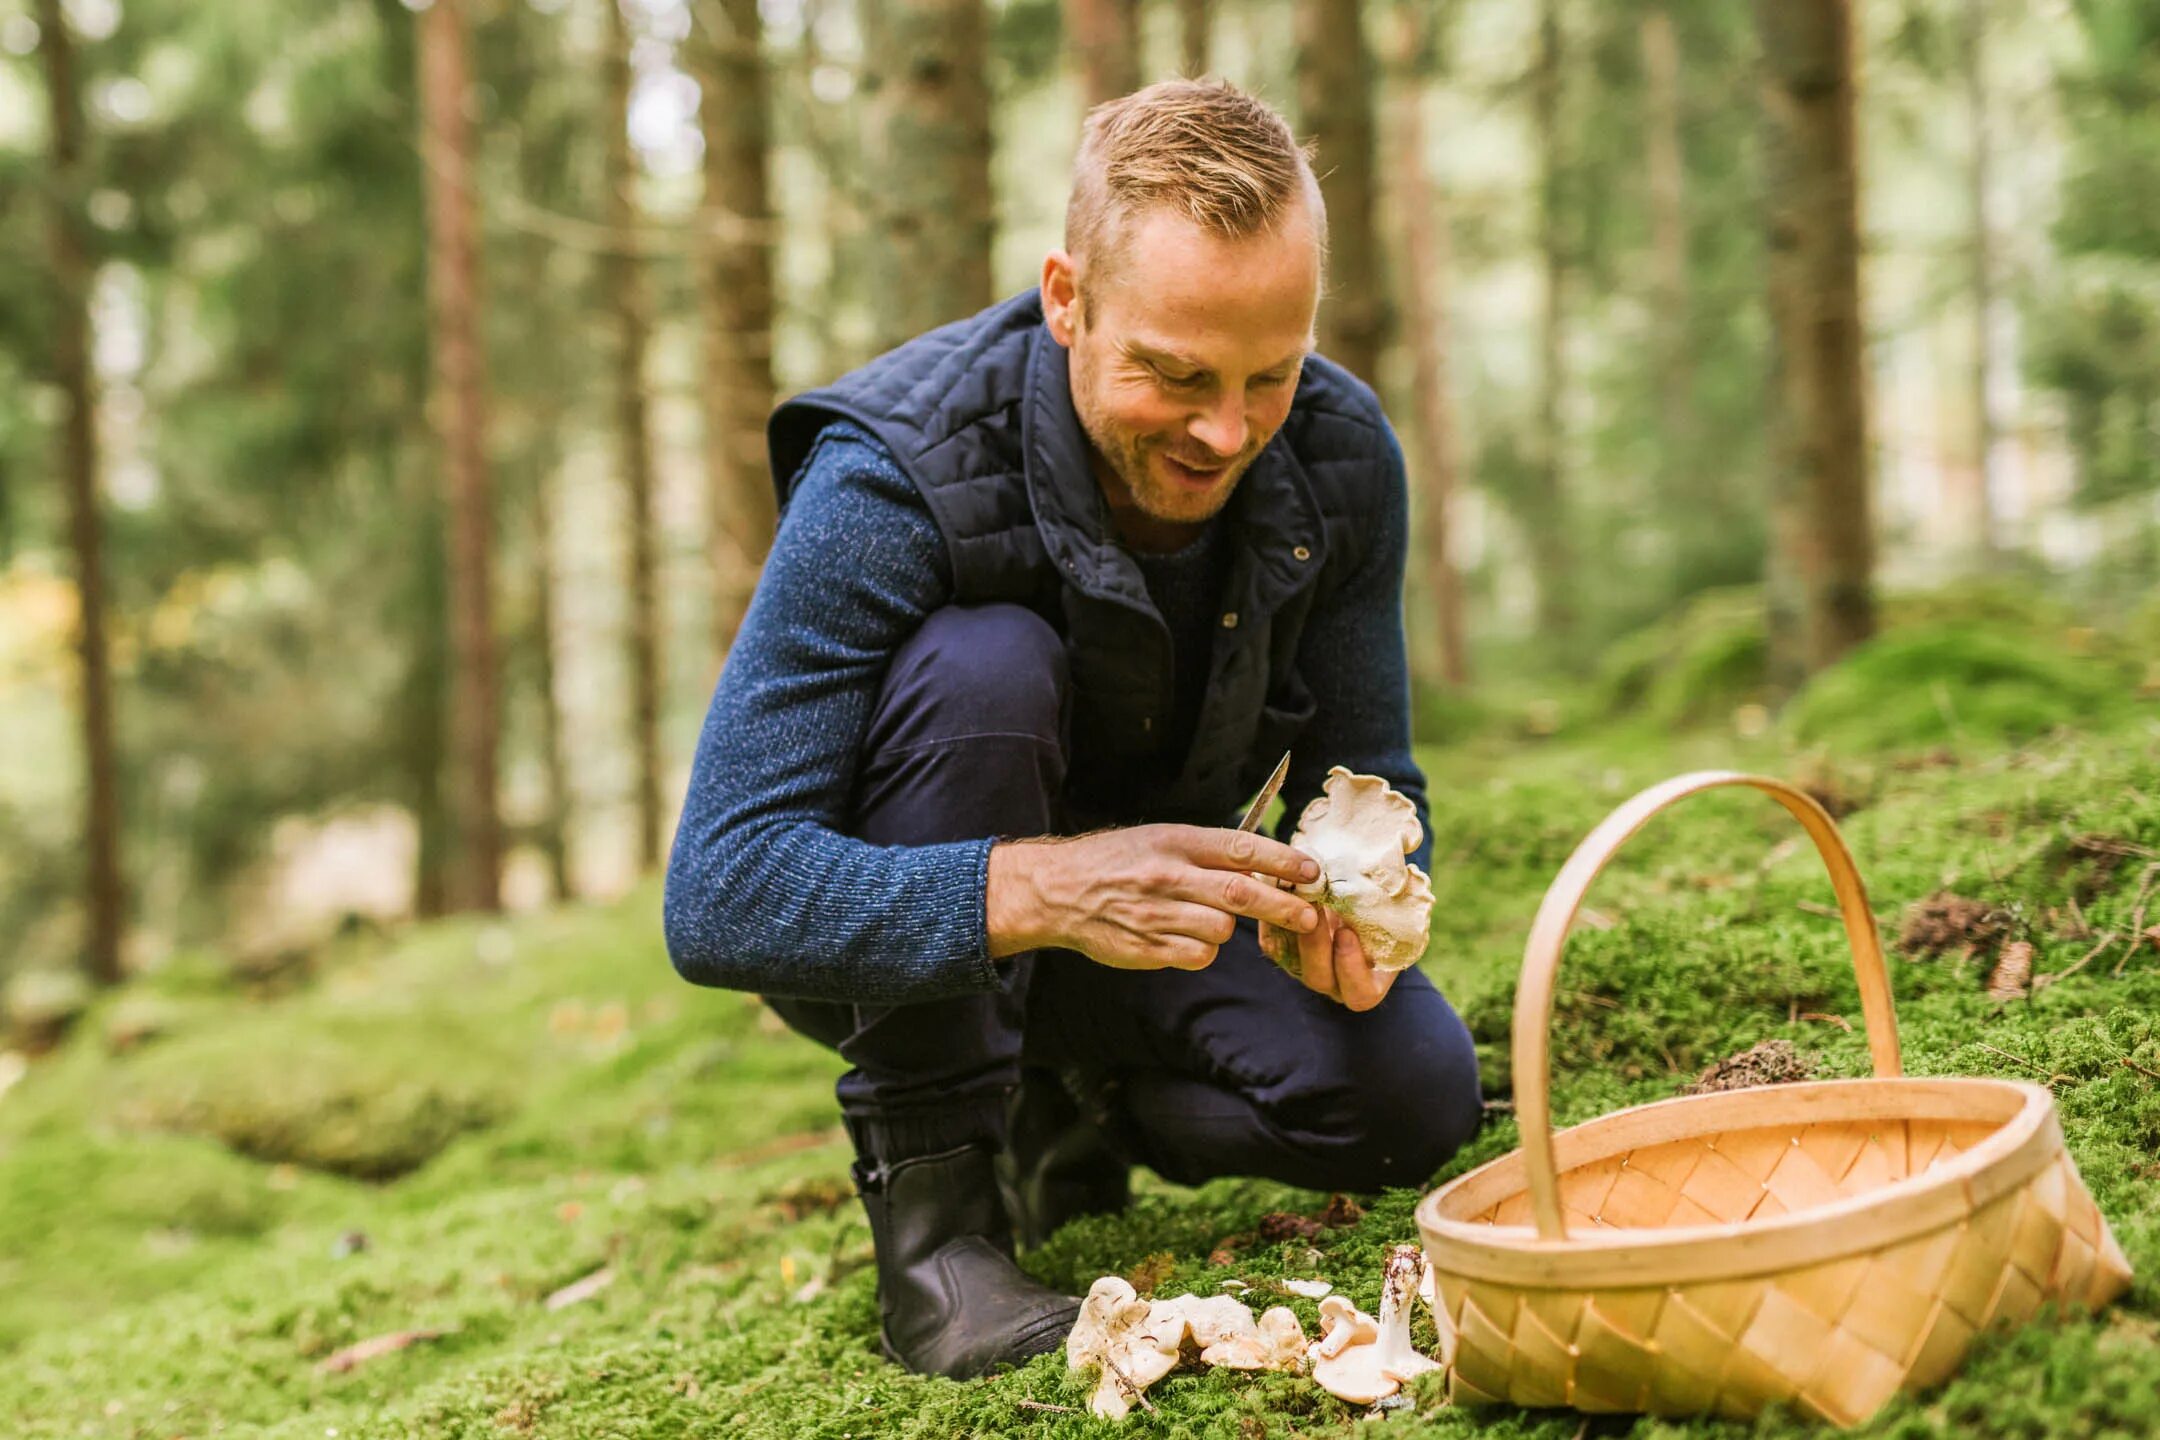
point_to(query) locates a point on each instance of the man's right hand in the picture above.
(1147, 897)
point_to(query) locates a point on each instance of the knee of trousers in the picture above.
(1390, 1109)
(974, 671)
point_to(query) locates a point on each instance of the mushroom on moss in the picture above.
(1130, 1342)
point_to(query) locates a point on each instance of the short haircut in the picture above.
(1202, 148)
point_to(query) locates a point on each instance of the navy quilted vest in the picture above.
(979, 415)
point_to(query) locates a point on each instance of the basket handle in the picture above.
(1548, 933)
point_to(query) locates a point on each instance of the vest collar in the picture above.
(1275, 526)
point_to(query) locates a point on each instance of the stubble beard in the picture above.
(1127, 457)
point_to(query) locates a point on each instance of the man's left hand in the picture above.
(1331, 961)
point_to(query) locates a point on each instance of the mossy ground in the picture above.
(500, 1110)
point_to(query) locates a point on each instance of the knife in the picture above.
(1254, 811)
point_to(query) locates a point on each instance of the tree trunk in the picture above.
(459, 413)
(735, 294)
(1426, 265)
(1818, 390)
(1666, 162)
(72, 275)
(424, 696)
(1194, 18)
(554, 761)
(633, 443)
(1981, 504)
(1551, 555)
(928, 114)
(1105, 39)
(1335, 99)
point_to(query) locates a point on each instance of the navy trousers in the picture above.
(1237, 1069)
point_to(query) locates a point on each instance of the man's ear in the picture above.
(1061, 296)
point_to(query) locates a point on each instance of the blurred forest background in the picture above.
(381, 384)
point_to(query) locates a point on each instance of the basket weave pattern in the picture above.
(1821, 1245)
(1836, 1339)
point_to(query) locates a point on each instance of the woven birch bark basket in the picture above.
(1819, 1245)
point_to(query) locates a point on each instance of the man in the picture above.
(1082, 566)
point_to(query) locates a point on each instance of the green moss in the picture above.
(1957, 684)
(159, 1282)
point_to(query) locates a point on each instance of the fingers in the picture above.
(1316, 956)
(1245, 850)
(1200, 922)
(1238, 893)
(1359, 986)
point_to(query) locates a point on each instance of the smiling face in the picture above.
(1186, 347)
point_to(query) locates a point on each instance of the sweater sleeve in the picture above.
(1355, 657)
(765, 890)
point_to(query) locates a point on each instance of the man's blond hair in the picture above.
(1201, 148)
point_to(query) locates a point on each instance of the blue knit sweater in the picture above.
(767, 892)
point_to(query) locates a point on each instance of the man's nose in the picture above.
(1221, 427)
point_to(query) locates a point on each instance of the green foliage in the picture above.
(1954, 684)
(654, 1130)
(1691, 667)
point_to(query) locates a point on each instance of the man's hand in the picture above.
(1329, 959)
(1148, 897)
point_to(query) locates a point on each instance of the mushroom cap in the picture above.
(1356, 1375)
(1361, 831)
(1132, 1342)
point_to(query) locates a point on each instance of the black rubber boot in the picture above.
(950, 1299)
(1059, 1162)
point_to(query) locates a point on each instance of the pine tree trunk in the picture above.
(1194, 21)
(735, 296)
(1981, 504)
(1666, 162)
(424, 695)
(633, 443)
(71, 281)
(928, 146)
(1427, 263)
(554, 760)
(1335, 99)
(1104, 36)
(1821, 514)
(1545, 513)
(459, 413)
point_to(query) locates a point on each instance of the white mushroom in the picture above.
(1398, 1357)
(1362, 1360)
(1237, 1342)
(1310, 1289)
(1361, 831)
(1346, 1359)
(1131, 1342)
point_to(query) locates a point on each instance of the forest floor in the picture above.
(584, 1199)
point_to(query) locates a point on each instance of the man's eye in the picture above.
(1179, 382)
(1266, 382)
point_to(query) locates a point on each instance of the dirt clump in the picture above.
(1773, 1062)
(1946, 924)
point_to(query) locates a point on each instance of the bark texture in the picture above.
(458, 409)
(1822, 521)
(1195, 24)
(1545, 509)
(633, 444)
(72, 275)
(928, 146)
(1335, 98)
(1104, 36)
(735, 293)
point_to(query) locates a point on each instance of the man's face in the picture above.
(1186, 351)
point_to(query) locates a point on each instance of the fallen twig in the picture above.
(2042, 981)
(1838, 1020)
(1041, 1405)
(1603, 1001)
(2037, 1070)
(1813, 907)
(1125, 1382)
(2138, 932)
(2155, 1074)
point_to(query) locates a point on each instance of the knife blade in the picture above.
(1254, 811)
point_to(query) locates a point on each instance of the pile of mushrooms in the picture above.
(1131, 1343)
(1362, 831)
